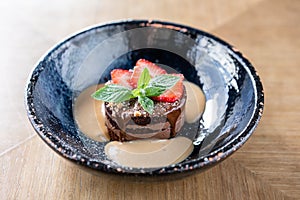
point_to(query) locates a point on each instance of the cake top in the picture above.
(147, 82)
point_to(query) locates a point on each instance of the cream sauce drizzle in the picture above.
(89, 115)
(195, 102)
(149, 153)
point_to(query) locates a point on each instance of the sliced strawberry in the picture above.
(173, 94)
(154, 70)
(121, 77)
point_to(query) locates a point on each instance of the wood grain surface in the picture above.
(266, 31)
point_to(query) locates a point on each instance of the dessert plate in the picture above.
(232, 88)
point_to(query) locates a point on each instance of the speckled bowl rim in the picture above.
(196, 164)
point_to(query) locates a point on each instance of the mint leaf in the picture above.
(153, 91)
(163, 81)
(136, 92)
(146, 103)
(113, 93)
(144, 78)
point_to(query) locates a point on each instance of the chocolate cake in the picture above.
(129, 121)
(143, 102)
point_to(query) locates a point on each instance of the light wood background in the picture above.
(266, 167)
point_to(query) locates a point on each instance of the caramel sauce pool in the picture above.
(90, 118)
(195, 102)
(149, 153)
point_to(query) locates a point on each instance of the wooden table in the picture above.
(266, 167)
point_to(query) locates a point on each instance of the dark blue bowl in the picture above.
(233, 91)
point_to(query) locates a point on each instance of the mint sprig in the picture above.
(146, 88)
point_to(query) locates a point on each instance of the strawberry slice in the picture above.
(173, 94)
(154, 70)
(121, 77)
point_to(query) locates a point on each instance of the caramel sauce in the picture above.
(195, 102)
(89, 115)
(149, 153)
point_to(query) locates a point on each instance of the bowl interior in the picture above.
(232, 89)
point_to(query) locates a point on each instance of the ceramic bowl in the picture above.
(233, 91)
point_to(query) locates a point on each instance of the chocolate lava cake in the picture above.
(143, 102)
(129, 121)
